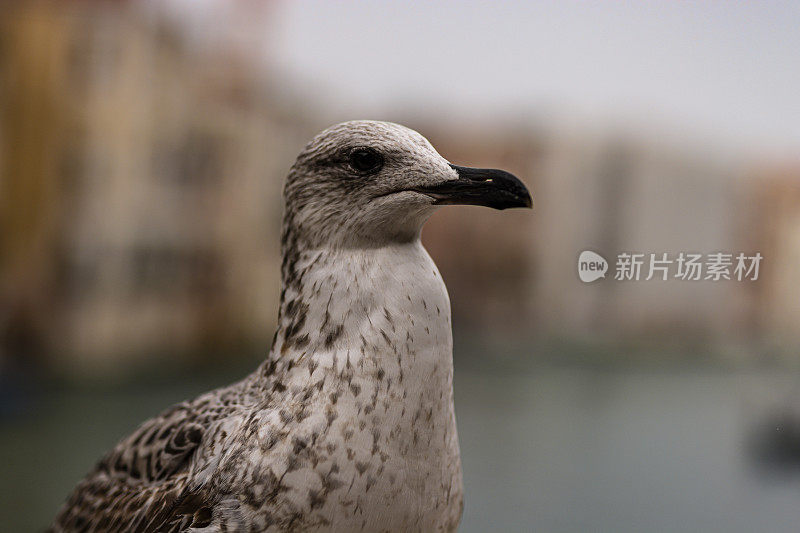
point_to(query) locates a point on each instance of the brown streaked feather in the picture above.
(142, 484)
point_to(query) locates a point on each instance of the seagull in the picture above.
(349, 423)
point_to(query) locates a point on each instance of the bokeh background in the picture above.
(142, 151)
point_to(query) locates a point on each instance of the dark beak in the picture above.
(481, 186)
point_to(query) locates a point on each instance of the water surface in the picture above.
(546, 450)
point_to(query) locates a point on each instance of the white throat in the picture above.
(384, 306)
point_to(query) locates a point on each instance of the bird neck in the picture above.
(364, 307)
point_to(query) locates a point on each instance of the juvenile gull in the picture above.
(349, 423)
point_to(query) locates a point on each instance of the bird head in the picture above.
(368, 183)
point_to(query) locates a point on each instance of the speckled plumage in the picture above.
(349, 423)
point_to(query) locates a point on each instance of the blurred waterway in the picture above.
(547, 449)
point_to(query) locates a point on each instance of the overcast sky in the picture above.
(729, 69)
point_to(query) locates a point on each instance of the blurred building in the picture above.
(140, 175)
(777, 193)
(608, 193)
(140, 185)
(613, 195)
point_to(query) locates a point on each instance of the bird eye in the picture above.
(366, 160)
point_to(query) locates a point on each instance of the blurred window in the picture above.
(170, 270)
(78, 271)
(194, 160)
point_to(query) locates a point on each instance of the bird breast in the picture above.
(374, 447)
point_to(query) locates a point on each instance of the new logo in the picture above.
(591, 266)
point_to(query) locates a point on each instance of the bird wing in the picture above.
(143, 483)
